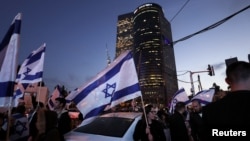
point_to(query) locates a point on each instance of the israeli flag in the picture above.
(180, 95)
(21, 127)
(204, 96)
(69, 98)
(51, 101)
(115, 84)
(8, 61)
(18, 94)
(31, 71)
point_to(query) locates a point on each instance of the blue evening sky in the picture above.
(77, 31)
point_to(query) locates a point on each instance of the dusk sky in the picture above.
(77, 32)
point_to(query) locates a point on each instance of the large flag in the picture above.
(8, 61)
(31, 71)
(115, 84)
(180, 95)
(204, 96)
(69, 98)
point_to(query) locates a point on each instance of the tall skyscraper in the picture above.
(149, 36)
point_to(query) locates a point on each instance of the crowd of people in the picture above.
(197, 123)
(226, 117)
(40, 124)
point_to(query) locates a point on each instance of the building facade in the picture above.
(150, 39)
(124, 38)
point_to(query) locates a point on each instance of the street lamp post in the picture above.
(192, 83)
(191, 79)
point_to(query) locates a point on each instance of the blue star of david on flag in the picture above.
(175, 101)
(109, 90)
(27, 71)
(20, 127)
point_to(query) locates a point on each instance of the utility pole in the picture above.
(192, 83)
(210, 71)
(199, 80)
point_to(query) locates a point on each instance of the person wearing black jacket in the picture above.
(64, 120)
(178, 128)
(153, 132)
(229, 117)
(195, 121)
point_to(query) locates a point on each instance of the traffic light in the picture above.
(210, 70)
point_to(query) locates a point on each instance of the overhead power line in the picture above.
(211, 26)
(183, 73)
(180, 10)
(185, 81)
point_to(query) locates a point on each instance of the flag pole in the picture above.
(144, 112)
(39, 91)
(9, 120)
(9, 116)
(37, 99)
(138, 73)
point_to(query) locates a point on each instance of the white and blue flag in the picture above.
(55, 94)
(18, 94)
(115, 84)
(204, 96)
(31, 71)
(180, 95)
(21, 127)
(8, 61)
(69, 98)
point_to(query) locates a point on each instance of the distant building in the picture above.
(148, 34)
(124, 38)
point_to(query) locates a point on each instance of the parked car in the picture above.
(118, 126)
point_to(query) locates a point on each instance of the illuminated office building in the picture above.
(124, 38)
(153, 51)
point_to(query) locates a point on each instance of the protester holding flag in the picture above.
(148, 128)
